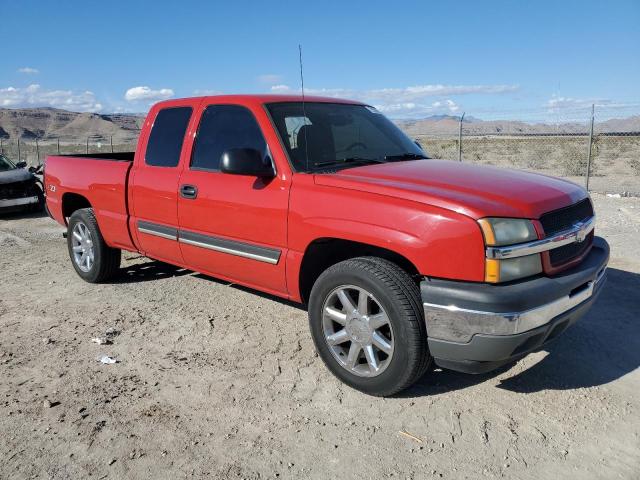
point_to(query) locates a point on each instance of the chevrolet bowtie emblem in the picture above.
(581, 234)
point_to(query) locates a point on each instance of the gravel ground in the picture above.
(213, 380)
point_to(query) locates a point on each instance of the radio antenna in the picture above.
(304, 112)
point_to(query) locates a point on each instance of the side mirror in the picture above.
(21, 164)
(418, 144)
(246, 161)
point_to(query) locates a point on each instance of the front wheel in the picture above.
(91, 257)
(39, 205)
(367, 324)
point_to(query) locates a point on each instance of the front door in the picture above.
(232, 226)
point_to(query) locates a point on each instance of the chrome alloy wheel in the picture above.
(357, 331)
(82, 246)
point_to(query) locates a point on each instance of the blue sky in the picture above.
(538, 60)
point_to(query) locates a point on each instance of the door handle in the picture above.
(188, 191)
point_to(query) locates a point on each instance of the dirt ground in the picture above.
(213, 380)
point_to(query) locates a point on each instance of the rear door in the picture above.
(232, 226)
(154, 183)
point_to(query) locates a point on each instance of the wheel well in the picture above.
(72, 202)
(324, 252)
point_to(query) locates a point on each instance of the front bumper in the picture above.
(18, 202)
(476, 327)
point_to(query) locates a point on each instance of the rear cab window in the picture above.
(166, 137)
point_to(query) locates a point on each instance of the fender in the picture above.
(438, 242)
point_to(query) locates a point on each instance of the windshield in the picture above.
(327, 136)
(6, 164)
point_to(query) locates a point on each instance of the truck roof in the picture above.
(263, 98)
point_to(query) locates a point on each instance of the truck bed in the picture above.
(99, 180)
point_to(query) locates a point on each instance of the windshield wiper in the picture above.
(342, 161)
(405, 156)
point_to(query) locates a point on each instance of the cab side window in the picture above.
(223, 127)
(167, 135)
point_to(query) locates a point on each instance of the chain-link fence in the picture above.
(34, 152)
(605, 159)
(598, 155)
(613, 162)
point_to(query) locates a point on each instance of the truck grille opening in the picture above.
(561, 255)
(16, 189)
(564, 218)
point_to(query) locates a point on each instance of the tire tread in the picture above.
(406, 294)
(108, 261)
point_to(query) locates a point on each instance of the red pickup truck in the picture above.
(401, 260)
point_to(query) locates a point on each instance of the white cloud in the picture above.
(36, 96)
(451, 105)
(281, 89)
(407, 101)
(418, 92)
(270, 78)
(144, 93)
(28, 70)
(558, 104)
(412, 109)
(408, 94)
(206, 92)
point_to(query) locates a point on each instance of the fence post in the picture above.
(58, 139)
(87, 145)
(589, 151)
(37, 153)
(1, 145)
(460, 139)
(111, 141)
(18, 149)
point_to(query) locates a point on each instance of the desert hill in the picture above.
(50, 123)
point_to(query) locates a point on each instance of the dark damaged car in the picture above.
(20, 189)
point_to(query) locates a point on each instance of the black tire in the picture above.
(106, 259)
(38, 207)
(399, 295)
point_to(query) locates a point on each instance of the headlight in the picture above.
(512, 268)
(507, 231)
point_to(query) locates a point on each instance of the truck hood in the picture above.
(473, 190)
(13, 176)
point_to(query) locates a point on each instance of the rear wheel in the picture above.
(90, 256)
(367, 324)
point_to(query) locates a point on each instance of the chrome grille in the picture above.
(561, 255)
(564, 218)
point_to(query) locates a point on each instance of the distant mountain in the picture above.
(449, 125)
(49, 123)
